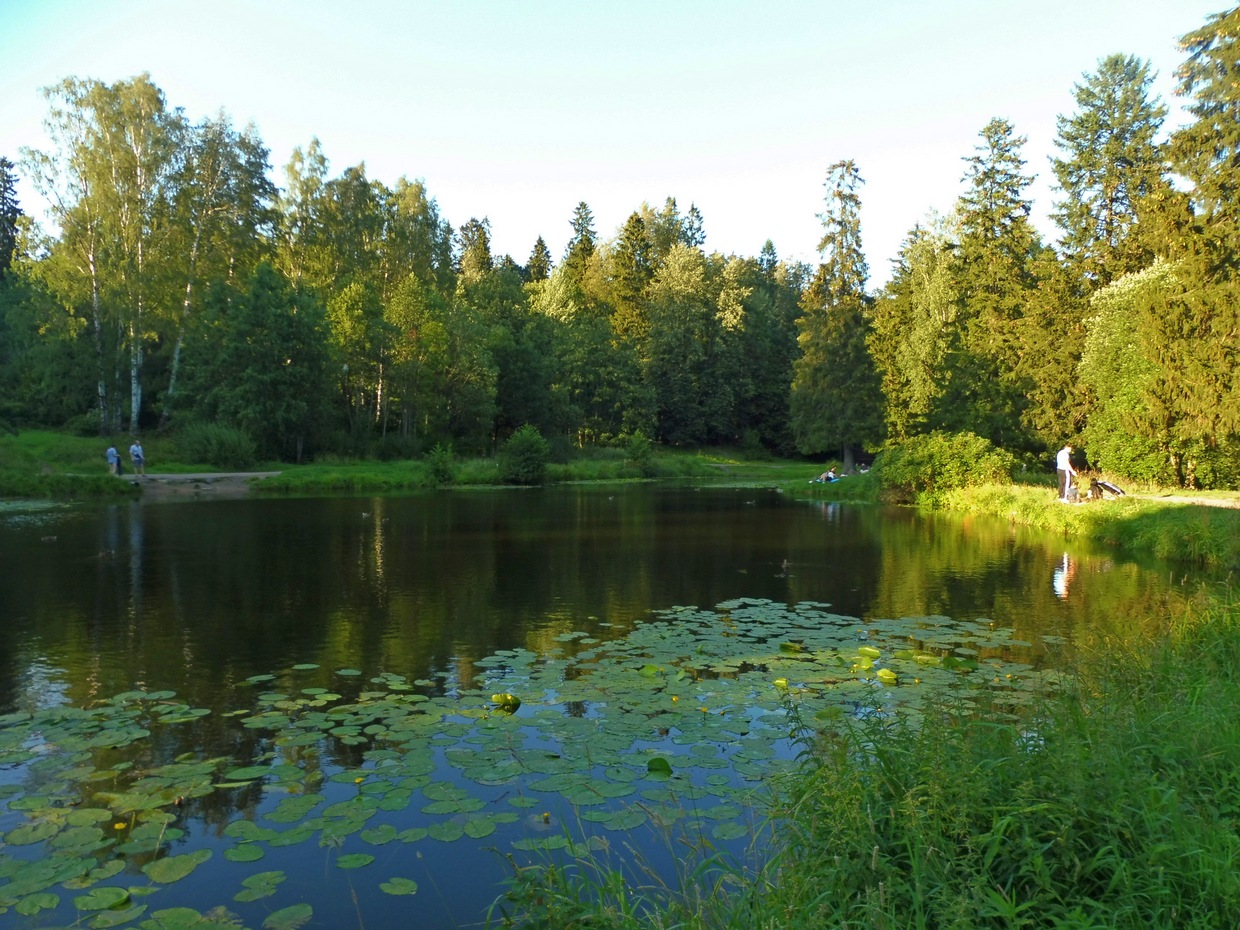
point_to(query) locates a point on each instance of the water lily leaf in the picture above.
(448, 831)
(659, 766)
(246, 852)
(305, 667)
(174, 868)
(29, 833)
(290, 918)
(185, 918)
(117, 918)
(101, 899)
(250, 771)
(731, 830)
(478, 827)
(354, 861)
(506, 701)
(399, 886)
(260, 885)
(348, 673)
(246, 831)
(31, 904)
(378, 836)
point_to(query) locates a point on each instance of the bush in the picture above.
(523, 460)
(925, 467)
(639, 454)
(440, 461)
(216, 444)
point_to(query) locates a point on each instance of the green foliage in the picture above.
(836, 401)
(925, 467)
(10, 214)
(639, 453)
(523, 459)
(216, 444)
(1111, 160)
(261, 363)
(440, 460)
(394, 447)
(1104, 807)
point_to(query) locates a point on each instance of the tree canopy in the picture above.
(179, 280)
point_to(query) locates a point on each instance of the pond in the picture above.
(363, 711)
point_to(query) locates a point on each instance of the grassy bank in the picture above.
(39, 464)
(1172, 527)
(1111, 804)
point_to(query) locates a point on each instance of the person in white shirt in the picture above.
(1064, 470)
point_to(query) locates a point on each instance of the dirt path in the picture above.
(203, 485)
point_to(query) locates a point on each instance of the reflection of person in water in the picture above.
(1064, 573)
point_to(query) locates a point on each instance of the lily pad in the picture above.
(174, 868)
(399, 886)
(290, 918)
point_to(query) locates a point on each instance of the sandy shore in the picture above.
(204, 485)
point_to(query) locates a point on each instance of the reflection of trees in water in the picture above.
(197, 597)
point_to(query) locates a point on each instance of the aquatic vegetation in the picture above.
(677, 725)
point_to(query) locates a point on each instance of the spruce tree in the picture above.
(836, 401)
(997, 248)
(694, 230)
(475, 250)
(10, 213)
(1207, 151)
(631, 271)
(1111, 160)
(538, 268)
(581, 246)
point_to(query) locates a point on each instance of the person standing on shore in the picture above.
(139, 460)
(1064, 470)
(114, 460)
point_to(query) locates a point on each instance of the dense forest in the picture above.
(177, 284)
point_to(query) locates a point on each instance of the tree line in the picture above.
(179, 284)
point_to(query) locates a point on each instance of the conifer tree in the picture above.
(997, 247)
(768, 258)
(835, 401)
(582, 244)
(538, 268)
(631, 271)
(1111, 160)
(694, 232)
(474, 239)
(1207, 151)
(10, 213)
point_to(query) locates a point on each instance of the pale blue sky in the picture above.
(519, 110)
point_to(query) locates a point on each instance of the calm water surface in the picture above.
(196, 597)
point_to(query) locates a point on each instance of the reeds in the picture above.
(1113, 803)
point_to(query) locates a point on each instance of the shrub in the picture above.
(639, 454)
(925, 467)
(523, 460)
(440, 461)
(216, 444)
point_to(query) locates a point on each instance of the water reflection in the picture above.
(195, 597)
(198, 597)
(1064, 574)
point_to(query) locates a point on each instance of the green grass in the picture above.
(1169, 527)
(1112, 804)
